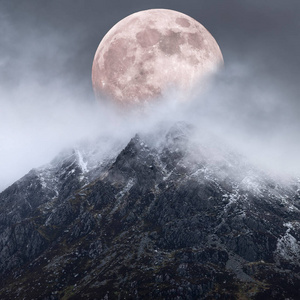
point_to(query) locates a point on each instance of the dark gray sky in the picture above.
(46, 54)
(267, 32)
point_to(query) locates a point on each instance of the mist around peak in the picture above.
(47, 103)
(248, 114)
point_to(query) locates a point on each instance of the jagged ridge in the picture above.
(162, 220)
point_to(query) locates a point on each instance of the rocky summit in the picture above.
(165, 217)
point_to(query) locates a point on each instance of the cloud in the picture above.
(46, 99)
(38, 121)
(253, 114)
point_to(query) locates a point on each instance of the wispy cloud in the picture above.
(44, 107)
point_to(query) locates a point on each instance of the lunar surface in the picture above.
(150, 51)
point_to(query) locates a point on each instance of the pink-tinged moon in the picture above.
(150, 51)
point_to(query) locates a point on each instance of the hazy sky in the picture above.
(46, 53)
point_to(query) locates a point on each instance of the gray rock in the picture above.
(164, 219)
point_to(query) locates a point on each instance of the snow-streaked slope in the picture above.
(170, 214)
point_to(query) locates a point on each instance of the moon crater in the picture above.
(170, 43)
(148, 37)
(183, 22)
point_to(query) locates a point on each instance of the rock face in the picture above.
(160, 220)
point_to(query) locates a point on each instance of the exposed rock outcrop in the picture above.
(159, 221)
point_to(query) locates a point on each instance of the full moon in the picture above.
(151, 51)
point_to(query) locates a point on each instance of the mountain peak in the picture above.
(155, 214)
(180, 130)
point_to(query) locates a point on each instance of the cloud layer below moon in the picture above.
(251, 118)
(46, 99)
